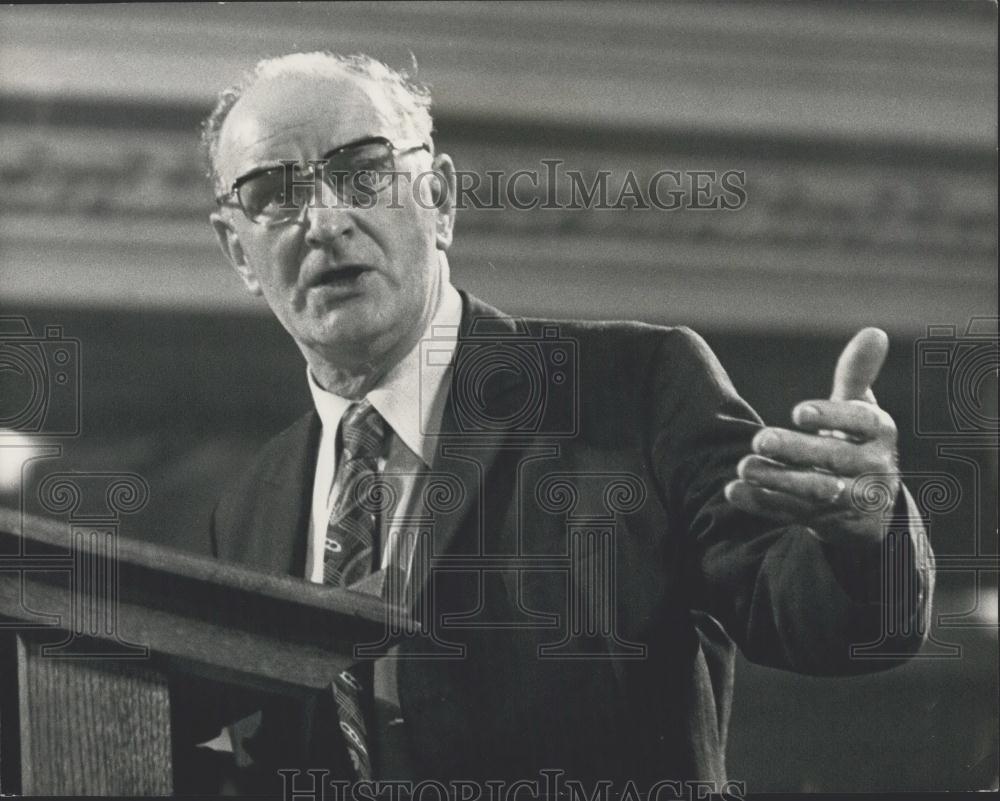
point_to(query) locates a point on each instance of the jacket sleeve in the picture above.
(787, 599)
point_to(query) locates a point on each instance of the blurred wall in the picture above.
(867, 134)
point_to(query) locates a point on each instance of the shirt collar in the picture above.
(330, 407)
(411, 396)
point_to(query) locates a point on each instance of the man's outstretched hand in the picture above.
(809, 476)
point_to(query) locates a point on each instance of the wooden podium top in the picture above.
(105, 594)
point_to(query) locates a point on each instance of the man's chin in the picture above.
(345, 339)
(342, 318)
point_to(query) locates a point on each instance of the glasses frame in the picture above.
(231, 199)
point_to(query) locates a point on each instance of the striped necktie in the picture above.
(349, 556)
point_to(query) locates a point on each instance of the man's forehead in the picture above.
(299, 116)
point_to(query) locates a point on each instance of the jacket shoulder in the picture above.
(480, 318)
(631, 350)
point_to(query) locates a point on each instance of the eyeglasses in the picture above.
(356, 172)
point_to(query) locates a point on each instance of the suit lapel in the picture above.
(279, 530)
(472, 438)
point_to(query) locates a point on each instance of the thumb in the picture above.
(859, 365)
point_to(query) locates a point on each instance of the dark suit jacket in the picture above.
(610, 461)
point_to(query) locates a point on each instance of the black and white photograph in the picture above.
(499, 401)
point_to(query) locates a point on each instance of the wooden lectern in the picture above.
(93, 625)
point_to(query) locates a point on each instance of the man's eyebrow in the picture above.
(278, 163)
(256, 170)
(271, 165)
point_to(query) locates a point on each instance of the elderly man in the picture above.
(702, 528)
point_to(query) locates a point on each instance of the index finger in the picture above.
(858, 418)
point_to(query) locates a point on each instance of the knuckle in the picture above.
(811, 421)
(818, 491)
(745, 465)
(832, 453)
(878, 461)
(769, 438)
(760, 439)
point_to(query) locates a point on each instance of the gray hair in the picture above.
(409, 99)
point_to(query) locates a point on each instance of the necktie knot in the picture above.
(363, 431)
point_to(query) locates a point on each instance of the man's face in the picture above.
(353, 286)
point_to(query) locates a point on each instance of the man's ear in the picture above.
(445, 189)
(233, 251)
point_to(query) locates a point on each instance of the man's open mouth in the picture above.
(340, 276)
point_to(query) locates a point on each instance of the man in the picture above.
(623, 477)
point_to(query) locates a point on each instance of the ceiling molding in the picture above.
(801, 69)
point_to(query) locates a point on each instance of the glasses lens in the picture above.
(355, 174)
(359, 172)
(273, 195)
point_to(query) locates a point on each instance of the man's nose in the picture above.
(328, 217)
